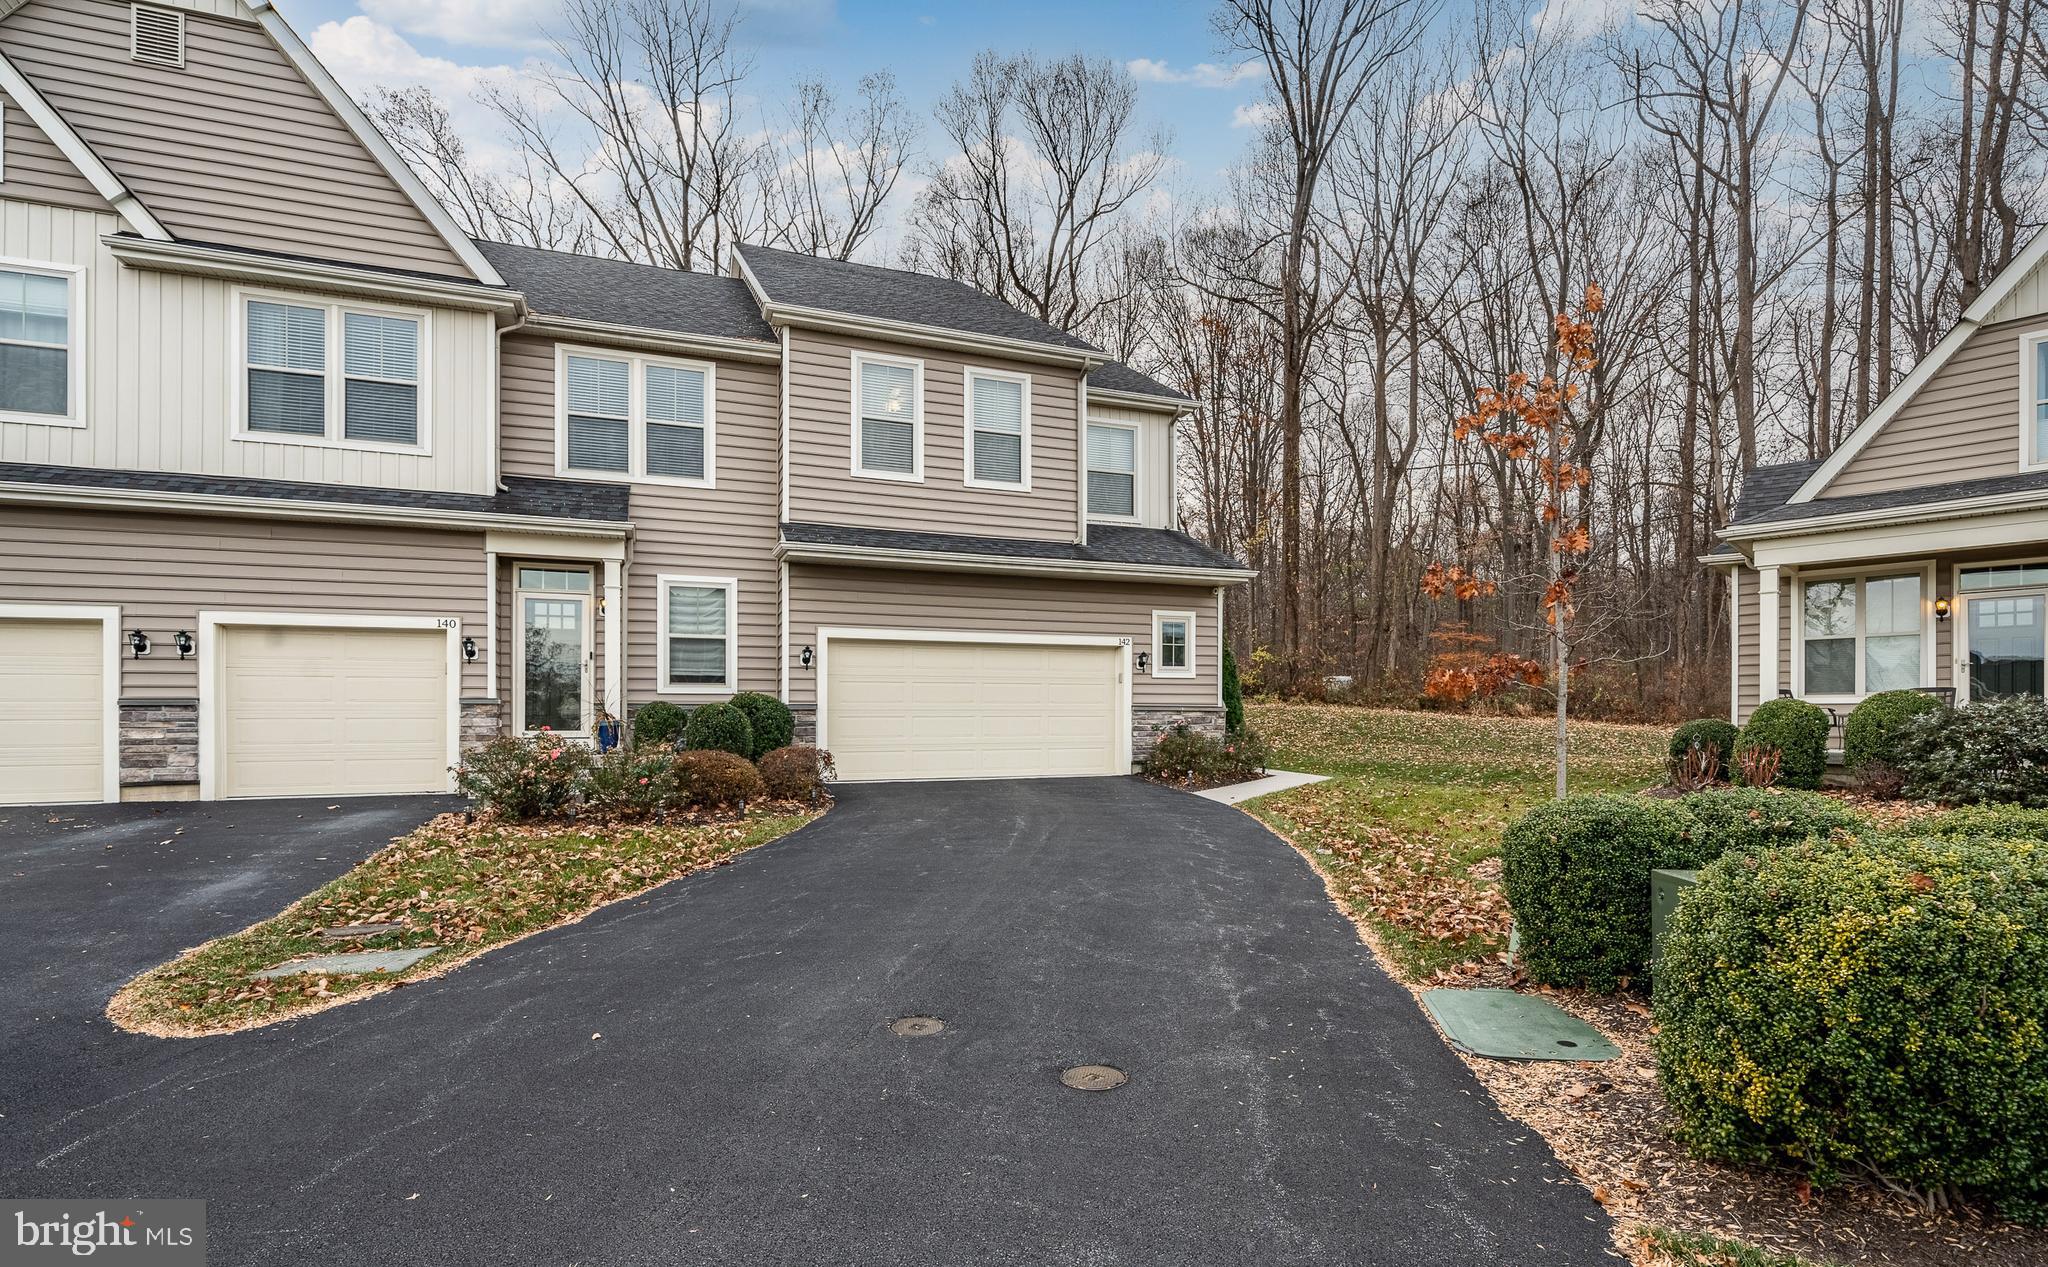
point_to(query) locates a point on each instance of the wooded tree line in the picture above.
(1784, 204)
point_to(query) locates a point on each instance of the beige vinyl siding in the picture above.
(36, 170)
(727, 530)
(1747, 643)
(873, 598)
(161, 369)
(823, 489)
(1963, 424)
(235, 147)
(163, 569)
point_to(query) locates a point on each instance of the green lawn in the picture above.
(1408, 828)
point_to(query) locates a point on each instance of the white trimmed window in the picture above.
(334, 373)
(888, 417)
(2034, 398)
(998, 429)
(641, 417)
(1860, 635)
(1112, 471)
(39, 352)
(1173, 644)
(699, 643)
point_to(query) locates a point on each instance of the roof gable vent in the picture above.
(156, 35)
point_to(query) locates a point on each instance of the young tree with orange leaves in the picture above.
(1532, 422)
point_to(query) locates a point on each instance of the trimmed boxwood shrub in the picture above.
(1798, 730)
(1995, 751)
(773, 724)
(657, 722)
(1985, 822)
(719, 727)
(1879, 1005)
(708, 778)
(1757, 818)
(1870, 736)
(1577, 872)
(1233, 696)
(1708, 732)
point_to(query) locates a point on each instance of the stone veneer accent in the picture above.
(1148, 724)
(482, 721)
(159, 742)
(806, 716)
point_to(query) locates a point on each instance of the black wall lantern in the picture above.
(469, 649)
(806, 656)
(182, 640)
(1144, 661)
(138, 642)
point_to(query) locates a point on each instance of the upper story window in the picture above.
(998, 429)
(1173, 644)
(1112, 471)
(332, 373)
(637, 416)
(888, 417)
(1861, 635)
(2034, 398)
(39, 360)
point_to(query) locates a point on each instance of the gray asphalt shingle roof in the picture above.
(523, 496)
(1118, 377)
(1107, 543)
(1902, 498)
(591, 288)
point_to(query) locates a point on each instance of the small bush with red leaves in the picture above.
(709, 779)
(797, 772)
(522, 777)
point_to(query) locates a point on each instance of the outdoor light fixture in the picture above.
(138, 642)
(469, 648)
(182, 640)
(1941, 609)
(806, 657)
(1144, 661)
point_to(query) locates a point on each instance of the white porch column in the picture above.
(1767, 634)
(614, 640)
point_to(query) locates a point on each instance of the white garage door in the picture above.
(332, 712)
(970, 710)
(52, 675)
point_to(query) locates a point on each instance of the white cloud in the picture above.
(485, 23)
(1580, 19)
(1199, 75)
(1254, 114)
(364, 55)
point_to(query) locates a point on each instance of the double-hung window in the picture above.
(1861, 635)
(2034, 398)
(1112, 471)
(39, 359)
(332, 372)
(998, 429)
(1173, 644)
(699, 652)
(888, 417)
(638, 417)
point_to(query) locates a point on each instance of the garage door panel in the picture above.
(53, 672)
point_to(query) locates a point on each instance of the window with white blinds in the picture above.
(889, 432)
(697, 622)
(38, 362)
(1112, 471)
(638, 417)
(332, 372)
(998, 429)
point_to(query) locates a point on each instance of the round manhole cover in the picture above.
(916, 1026)
(1094, 1077)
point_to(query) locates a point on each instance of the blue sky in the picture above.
(1185, 84)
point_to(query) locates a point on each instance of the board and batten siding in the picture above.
(162, 570)
(727, 530)
(35, 170)
(160, 369)
(234, 147)
(876, 598)
(1154, 459)
(823, 488)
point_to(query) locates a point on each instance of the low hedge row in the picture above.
(524, 778)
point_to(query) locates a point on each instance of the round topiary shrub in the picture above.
(1708, 732)
(709, 778)
(1756, 818)
(774, 725)
(720, 728)
(1870, 736)
(1799, 732)
(1577, 872)
(657, 722)
(1877, 1006)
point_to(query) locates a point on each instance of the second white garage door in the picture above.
(332, 712)
(52, 674)
(972, 710)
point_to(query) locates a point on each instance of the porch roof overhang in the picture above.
(1112, 553)
(1989, 524)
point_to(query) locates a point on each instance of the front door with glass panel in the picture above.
(2006, 648)
(552, 606)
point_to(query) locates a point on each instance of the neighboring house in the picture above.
(302, 491)
(1916, 555)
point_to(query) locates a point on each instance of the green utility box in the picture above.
(1666, 889)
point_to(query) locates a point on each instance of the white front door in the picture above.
(552, 641)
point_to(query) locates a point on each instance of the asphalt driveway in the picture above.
(746, 1103)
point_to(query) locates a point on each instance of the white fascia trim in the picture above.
(2017, 528)
(1867, 430)
(352, 115)
(2008, 278)
(940, 561)
(272, 508)
(9, 6)
(212, 670)
(931, 336)
(1963, 509)
(1131, 400)
(18, 89)
(109, 618)
(642, 338)
(184, 257)
(541, 543)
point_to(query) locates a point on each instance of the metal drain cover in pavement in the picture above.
(1094, 1077)
(1507, 1025)
(916, 1026)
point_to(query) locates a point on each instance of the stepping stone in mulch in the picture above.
(359, 961)
(1507, 1025)
(348, 932)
